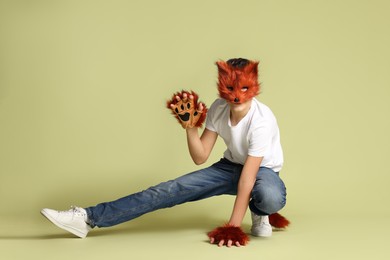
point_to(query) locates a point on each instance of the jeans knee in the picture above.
(267, 201)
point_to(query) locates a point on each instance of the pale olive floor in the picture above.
(178, 234)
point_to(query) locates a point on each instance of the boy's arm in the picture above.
(231, 233)
(191, 114)
(245, 186)
(200, 147)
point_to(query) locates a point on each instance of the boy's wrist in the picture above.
(193, 130)
(234, 223)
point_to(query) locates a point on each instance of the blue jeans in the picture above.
(268, 194)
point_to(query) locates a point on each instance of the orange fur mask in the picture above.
(237, 80)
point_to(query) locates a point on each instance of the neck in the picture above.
(239, 111)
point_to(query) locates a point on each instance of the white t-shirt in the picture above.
(257, 134)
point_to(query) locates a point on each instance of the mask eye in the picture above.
(244, 89)
(230, 88)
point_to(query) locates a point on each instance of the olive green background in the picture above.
(83, 86)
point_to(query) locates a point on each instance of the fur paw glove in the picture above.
(228, 232)
(187, 110)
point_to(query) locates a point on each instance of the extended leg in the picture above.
(198, 185)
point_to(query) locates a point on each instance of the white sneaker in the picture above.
(260, 226)
(73, 220)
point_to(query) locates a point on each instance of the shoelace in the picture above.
(76, 211)
(81, 212)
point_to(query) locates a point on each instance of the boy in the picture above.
(249, 169)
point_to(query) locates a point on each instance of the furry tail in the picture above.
(278, 221)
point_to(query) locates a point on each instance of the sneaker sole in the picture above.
(261, 234)
(65, 227)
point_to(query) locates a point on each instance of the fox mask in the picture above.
(238, 80)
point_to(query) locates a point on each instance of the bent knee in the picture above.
(268, 200)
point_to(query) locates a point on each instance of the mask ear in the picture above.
(252, 68)
(222, 68)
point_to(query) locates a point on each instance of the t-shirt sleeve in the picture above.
(211, 117)
(260, 140)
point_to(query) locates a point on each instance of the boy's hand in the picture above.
(228, 235)
(185, 107)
